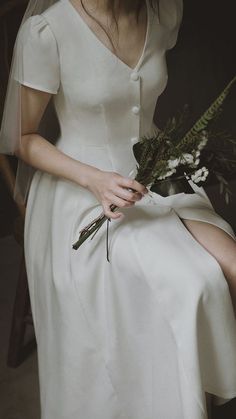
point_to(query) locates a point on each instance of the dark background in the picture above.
(201, 64)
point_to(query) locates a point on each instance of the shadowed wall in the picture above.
(200, 66)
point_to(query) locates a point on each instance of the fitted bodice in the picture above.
(102, 104)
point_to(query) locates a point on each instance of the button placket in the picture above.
(134, 76)
(136, 108)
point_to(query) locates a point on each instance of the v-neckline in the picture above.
(102, 45)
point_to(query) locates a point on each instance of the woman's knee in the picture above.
(229, 268)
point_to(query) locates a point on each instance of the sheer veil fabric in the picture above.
(10, 135)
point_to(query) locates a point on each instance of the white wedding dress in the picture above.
(146, 335)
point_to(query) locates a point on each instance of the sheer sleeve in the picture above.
(171, 13)
(37, 59)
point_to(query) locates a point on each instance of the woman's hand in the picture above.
(112, 188)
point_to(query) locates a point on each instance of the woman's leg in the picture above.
(221, 246)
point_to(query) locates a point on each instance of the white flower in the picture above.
(202, 144)
(187, 158)
(196, 162)
(200, 175)
(173, 163)
(167, 174)
(204, 140)
(196, 154)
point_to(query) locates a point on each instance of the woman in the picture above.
(153, 332)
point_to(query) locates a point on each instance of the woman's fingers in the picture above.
(110, 214)
(119, 202)
(133, 184)
(112, 188)
(123, 196)
(127, 195)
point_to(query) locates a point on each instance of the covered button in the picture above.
(134, 76)
(136, 110)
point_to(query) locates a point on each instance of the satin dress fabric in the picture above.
(146, 335)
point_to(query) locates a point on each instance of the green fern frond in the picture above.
(210, 114)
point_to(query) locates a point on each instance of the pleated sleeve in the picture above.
(37, 58)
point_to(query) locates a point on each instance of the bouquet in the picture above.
(168, 159)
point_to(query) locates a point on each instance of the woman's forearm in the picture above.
(41, 154)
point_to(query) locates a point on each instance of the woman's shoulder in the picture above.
(170, 18)
(37, 56)
(171, 12)
(55, 12)
(35, 31)
(42, 28)
(44, 21)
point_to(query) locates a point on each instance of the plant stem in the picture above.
(93, 227)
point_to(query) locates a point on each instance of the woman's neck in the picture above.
(120, 6)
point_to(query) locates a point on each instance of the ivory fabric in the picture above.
(146, 335)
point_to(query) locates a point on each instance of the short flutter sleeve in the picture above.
(37, 59)
(171, 13)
